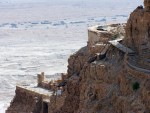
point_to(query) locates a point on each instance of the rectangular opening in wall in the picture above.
(45, 107)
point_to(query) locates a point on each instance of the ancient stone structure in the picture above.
(40, 78)
(109, 75)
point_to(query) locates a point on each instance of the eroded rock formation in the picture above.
(109, 75)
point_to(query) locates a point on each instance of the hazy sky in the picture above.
(63, 1)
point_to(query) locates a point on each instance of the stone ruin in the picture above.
(109, 75)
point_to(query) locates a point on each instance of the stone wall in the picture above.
(95, 36)
(25, 102)
(97, 39)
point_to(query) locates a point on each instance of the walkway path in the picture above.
(120, 46)
(132, 65)
(131, 62)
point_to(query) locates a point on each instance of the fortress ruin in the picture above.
(109, 75)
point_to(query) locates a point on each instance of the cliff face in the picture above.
(138, 31)
(109, 75)
(105, 87)
(99, 86)
(69, 101)
(117, 83)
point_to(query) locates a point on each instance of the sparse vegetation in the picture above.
(135, 86)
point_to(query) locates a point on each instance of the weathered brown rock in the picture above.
(113, 81)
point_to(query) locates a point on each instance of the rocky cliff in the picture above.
(105, 85)
(118, 82)
(111, 74)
